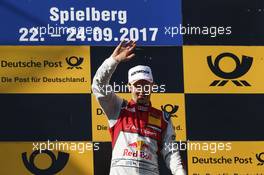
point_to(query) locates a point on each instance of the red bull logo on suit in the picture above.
(138, 149)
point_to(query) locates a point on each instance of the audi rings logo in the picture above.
(171, 109)
(240, 69)
(260, 158)
(74, 62)
(56, 166)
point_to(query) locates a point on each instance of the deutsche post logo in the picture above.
(74, 62)
(260, 158)
(56, 166)
(170, 109)
(240, 69)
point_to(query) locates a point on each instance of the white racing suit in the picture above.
(139, 133)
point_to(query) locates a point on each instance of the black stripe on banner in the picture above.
(165, 62)
(42, 117)
(102, 158)
(243, 16)
(226, 117)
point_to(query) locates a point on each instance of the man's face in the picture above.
(141, 91)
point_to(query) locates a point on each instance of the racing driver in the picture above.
(140, 133)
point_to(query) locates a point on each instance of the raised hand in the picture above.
(124, 51)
